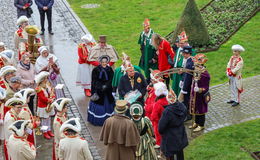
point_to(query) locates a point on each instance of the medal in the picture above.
(139, 80)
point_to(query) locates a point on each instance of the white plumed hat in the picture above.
(238, 47)
(18, 127)
(60, 103)
(23, 94)
(7, 69)
(22, 19)
(40, 77)
(73, 123)
(160, 89)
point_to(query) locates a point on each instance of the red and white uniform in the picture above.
(164, 50)
(58, 121)
(85, 67)
(149, 103)
(156, 115)
(234, 73)
(20, 149)
(9, 118)
(44, 98)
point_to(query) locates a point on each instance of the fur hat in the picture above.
(73, 123)
(42, 49)
(2, 93)
(121, 106)
(14, 101)
(22, 19)
(87, 38)
(160, 89)
(23, 94)
(41, 76)
(7, 69)
(238, 47)
(8, 55)
(60, 103)
(18, 127)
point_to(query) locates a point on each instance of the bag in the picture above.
(29, 11)
(94, 97)
(207, 97)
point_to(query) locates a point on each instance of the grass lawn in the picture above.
(225, 143)
(121, 21)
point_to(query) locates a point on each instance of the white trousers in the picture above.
(235, 95)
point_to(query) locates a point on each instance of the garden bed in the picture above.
(224, 18)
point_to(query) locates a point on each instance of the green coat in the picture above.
(176, 78)
(145, 149)
(148, 52)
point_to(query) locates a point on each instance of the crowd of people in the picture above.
(139, 112)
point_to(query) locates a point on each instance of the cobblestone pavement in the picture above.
(68, 30)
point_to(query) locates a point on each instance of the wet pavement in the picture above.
(67, 33)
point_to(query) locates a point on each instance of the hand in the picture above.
(181, 84)
(45, 8)
(154, 60)
(24, 7)
(196, 89)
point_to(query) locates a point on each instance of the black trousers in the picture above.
(179, 155)
(31, 103)
(200, 120)
(48, 12)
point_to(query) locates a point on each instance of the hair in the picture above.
(71, 132)
(156, 40)
(24, 57)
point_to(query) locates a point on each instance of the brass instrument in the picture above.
(33, 43)
(38, 131)
(52, 94)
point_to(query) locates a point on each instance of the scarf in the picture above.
(26, 66)
(103, 71)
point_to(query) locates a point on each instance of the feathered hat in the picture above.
(41, 76)
(24, 93)
(14, 101)
(21, 20)
(160, 89)
(183, 37)
(238, 47)
(60, 103)
(18, 127)
(73, 123)
(7, 69)
(200, 59)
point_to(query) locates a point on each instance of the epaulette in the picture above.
(38, 89)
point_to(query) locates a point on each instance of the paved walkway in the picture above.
(64, 45)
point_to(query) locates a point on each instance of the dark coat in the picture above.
(43, 3)
(171, 127)
(19, 5)
(125, 85)
(187, 81)
(101, 86)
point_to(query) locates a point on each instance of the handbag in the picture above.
(94, 97)
(29, 11)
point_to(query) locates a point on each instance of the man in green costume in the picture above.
(120, 71)
(149, 58)
(178, 61)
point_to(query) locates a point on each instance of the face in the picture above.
(102, 44)
(236, 53)
(146, 29)
(26, 60)
(45, 53)
(17, 108)
(136, 117)
(10, 75)
(16, 85)
(2, 49)
(24, 24)
(131, 72)
(104, 62)
(65, 109)
(181, 44)
(186, 55)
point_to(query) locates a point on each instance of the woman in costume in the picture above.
(102, 102)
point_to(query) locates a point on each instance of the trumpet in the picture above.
(38, 131)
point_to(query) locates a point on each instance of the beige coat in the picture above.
(74, 148)
(10, 117)
(58, 121)
(121, 136)
(97, 52)
(236, 65)
(20, 149)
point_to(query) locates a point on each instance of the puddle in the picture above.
(90, 6)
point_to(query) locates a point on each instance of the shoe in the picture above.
(199, 128)
(51, 33)
(88, 92)
(193, 126)
(42, 33)
(46, 135)
(235, 104)
(156, 146)
(50, 134)
(230, 102)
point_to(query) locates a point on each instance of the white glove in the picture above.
(114, 94)
(1, 122)
(196, 89)
(181, 84)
